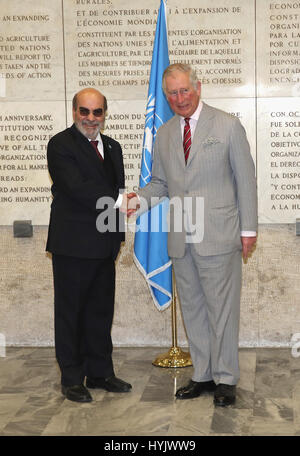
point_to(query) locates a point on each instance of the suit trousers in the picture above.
(84, 292)
(209, 290)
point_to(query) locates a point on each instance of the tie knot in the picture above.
(95, 143)
(187, 119)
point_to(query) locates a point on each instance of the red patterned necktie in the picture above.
(95, 146)
(187, 139)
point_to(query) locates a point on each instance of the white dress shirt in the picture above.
(118, 203)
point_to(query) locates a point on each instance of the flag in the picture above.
(150, 245)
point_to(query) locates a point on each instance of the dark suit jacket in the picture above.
(80, 178)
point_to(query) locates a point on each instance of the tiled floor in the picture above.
(268, 398)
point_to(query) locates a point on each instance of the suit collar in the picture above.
(107, 145)
(176, 138)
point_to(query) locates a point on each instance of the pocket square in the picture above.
(210, 141)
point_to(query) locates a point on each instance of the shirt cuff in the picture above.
(248, 233)
(119, 201)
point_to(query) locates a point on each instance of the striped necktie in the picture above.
(187, 139)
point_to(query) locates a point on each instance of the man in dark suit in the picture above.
(85, 166)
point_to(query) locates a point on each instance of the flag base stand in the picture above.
(175, 357)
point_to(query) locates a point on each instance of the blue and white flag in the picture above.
(150, 246)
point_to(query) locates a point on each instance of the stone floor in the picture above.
(268, 398)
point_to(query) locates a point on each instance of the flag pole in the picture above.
(150, 247)
(175, 357)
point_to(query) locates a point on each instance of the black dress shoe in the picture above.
(76, 393)
(224, 395)
(112, 384)
(195, 389)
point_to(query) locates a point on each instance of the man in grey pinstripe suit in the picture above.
(220, 170)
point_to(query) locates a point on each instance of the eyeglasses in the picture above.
(174, 93)
(84, 112)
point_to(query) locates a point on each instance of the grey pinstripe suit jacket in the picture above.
(220, 169)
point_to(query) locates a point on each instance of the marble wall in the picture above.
(246, 54)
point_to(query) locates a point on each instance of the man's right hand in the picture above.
(133, 203)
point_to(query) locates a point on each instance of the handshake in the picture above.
(130, 203)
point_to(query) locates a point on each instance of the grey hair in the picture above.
(184, 68)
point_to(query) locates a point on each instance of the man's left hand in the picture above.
(248, 244)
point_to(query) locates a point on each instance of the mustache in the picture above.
(91, 123)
